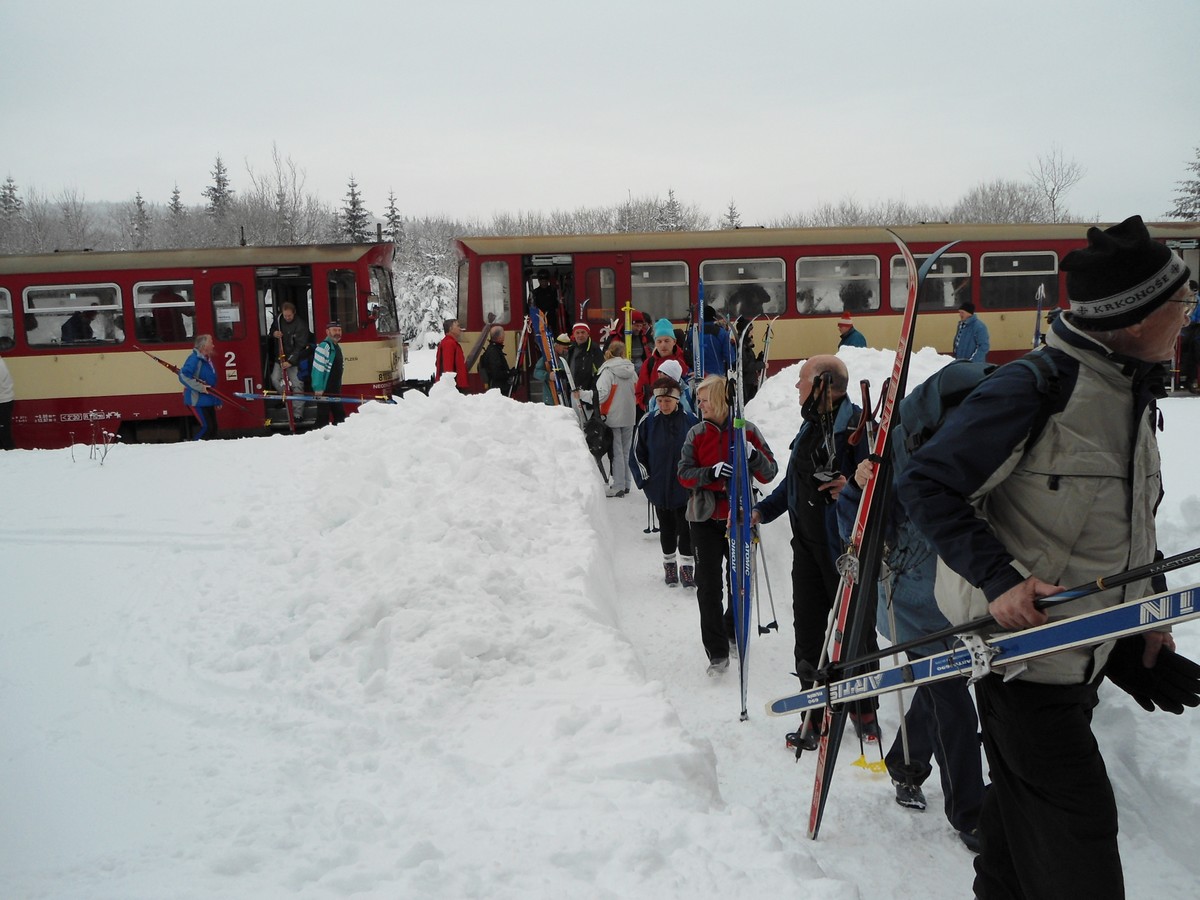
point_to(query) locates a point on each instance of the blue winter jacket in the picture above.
(654, 457)
(718, 349)
(971, 340)
(195, 370)
(912, 568)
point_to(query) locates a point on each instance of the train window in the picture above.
(6, 320)
(79, 314)
(464, 284)
(834, 284)
(744, 287)
(343, 299)
(600, 292)
(164, 311)
(229, 311)
(1011, 280)
(493, 284)
(660, 289)
(947, 285)
(382, 302)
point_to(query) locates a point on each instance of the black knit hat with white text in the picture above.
(1120, 277)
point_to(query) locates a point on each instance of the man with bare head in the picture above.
(820, 455)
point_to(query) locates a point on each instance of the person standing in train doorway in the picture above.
(327, 376)
(197, 375)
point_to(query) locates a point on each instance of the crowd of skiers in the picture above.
(1022, 491)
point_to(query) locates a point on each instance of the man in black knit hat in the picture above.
(1028, 488)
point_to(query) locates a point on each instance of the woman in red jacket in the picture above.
(705, 469)
(665, 347)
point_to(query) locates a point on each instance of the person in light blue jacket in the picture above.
(197, 375)
(971, 339)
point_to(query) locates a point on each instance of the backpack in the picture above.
(924, 409)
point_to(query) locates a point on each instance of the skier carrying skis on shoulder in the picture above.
(706, 470)
(1015, 516)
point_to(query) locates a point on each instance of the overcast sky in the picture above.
(470, 108)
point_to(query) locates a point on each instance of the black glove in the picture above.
(722, 470)
(1172, 684)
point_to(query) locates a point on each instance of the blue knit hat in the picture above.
(664, 328)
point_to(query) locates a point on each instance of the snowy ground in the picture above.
(421, 655)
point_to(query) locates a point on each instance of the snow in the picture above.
(421, 655)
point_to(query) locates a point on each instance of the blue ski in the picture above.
(978, 655)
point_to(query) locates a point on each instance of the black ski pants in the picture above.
(814, 588)
(673, 531)
(711, 543)
(942, 725)
(1049, 820)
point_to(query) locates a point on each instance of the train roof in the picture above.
(938, 233)
(203, 257)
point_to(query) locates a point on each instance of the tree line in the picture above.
(272, 207)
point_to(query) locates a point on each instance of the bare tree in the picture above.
(76, 220)
(276, 209)
(1053, 177)
(1002, 200)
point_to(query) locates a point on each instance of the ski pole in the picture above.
(886, 581)
(285, 388)
(773, 625)
(1158, 567)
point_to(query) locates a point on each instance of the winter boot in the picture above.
(687, 571)
(910, 796)
(670, 571)
(718, 667)
(866, 727)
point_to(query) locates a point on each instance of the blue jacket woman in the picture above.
(197, 375)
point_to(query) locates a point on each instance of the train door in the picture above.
(603, 290)
(275, 288)
(228, 295)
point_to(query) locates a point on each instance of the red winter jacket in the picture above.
(706, 445)
(649, 372)
(450, 358)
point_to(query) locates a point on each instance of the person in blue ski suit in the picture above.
(1015, 517)
(654, 463)
(940, 723)
(971, 338)
(197, 375)
(716, 344)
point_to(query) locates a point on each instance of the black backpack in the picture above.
(924, 409)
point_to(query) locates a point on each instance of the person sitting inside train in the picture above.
(78, 327)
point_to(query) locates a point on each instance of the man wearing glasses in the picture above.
(1015, 517)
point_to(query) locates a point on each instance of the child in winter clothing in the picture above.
(654, 459)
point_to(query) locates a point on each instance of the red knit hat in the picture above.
(846, 320)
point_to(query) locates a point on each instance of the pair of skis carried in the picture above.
(978, 656)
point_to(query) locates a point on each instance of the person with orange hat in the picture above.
(851, 336)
